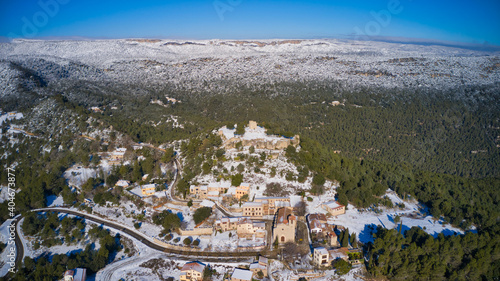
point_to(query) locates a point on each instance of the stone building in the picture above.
(285, 224)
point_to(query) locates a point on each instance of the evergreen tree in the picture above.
(353, 241)
(345, 238)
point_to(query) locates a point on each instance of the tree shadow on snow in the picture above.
(366, 235)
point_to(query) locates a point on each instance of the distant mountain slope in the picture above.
(196, 63)
(434, 107)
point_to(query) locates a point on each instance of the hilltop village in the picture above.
(269, 222)
(237, 197)
(235, 215)
(270, 160)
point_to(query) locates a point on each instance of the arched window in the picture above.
(282, 238)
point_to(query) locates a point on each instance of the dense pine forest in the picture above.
(439, 147)
(453, 132)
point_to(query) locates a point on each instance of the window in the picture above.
(282, 238)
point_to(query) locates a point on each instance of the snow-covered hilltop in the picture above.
(250, 62)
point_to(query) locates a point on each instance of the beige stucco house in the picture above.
(192, 271)
(334, 208)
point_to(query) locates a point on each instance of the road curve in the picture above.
(223, 211)
(177, 177)
(146, 240)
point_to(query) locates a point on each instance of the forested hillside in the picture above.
(428, 130)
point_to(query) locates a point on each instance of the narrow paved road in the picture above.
(178, 254)
(19, 246)
(177, 177)
(199, 255)
(148, 241)
(223, 211)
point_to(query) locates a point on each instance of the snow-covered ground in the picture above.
(4, 236)
(10, 116)
(131, 270)
(259, 181)
(248, 62)
(126, 214)
(55, 201)
(250, 134)
(4, 192)
(363, 222)
(78, 175)
(279, 272)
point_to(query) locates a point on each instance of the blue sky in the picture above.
(458, 20)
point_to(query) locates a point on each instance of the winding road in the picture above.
(178, 254)
(148, 241)
(172, 190)
(177, 177)
(236, 256)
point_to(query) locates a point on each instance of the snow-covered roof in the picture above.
(315, 224)
(251, 204)
(231, 190)
(245, 221)
(321, 250)
(270, 197)
(225, 184)
(227, 219)
(80, 274)
(122, 183)
(259, 224)
(207, 203)
(194, 265)
(257, 265)
(242, 274)
(279, 204)
(213, 193)
(339, 253)
(320, 217)
(151, 185)
(332, 204)
(263, 260)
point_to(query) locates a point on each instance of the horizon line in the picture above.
(485, 46)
